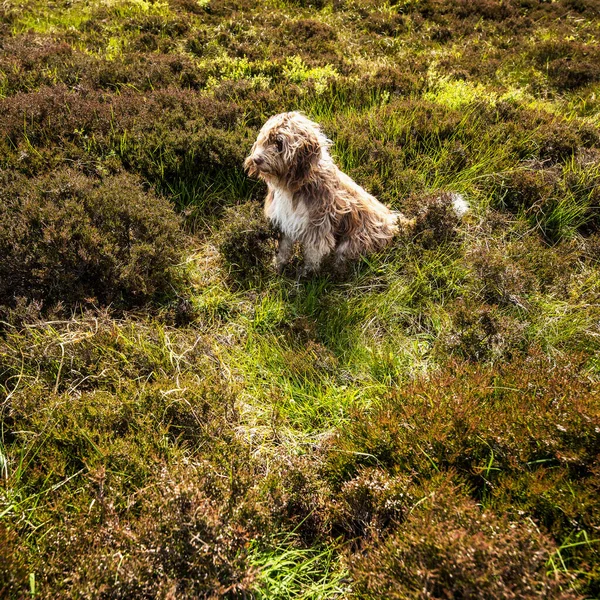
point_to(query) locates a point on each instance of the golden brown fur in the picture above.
(311, 200)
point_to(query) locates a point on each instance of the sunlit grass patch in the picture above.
(127, 8)
(293, 391)
(561, 326)
(74, 15)
(457, 93)
(224, 68)
(297, 72)
(289, 571)
(52, 20)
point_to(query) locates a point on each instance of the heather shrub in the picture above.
(29, 61)
(482, 333)
(436, 221)
(259, 104)
(569, 64)
(314, 39)
(471, 412)
(449, 547)
(30, 64)
(145, 71)
(560, 200)
(400, 81)
(139, 507)
(69, 238)
(371, 503)
(246, 241)
(504, 278)
(317, 4)
(568, 75)
(530, 134)
(590, 7)
(385, 24)
(194, 152)
(172, 26)
(149, 527)
(167, 154)
(52, 114)
(522, 189)
(296, 497)
(555, 140)
(180, 545)
(194, 135)
(366, 505)
(13, 574)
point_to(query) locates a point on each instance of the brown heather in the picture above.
(246, 242)
(448, 543)
(69, 238)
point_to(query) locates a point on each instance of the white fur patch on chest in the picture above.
(292, 221)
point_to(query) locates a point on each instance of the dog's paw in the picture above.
(307, 270)
(278, 265)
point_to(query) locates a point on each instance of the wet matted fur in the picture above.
(311, 201)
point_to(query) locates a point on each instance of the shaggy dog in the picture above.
(311, 201)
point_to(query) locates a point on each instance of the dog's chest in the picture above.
(291, 220)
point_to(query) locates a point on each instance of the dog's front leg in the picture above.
(284, 253)
(314, 254)
(341, 255)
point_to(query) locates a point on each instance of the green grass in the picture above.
(308, 573)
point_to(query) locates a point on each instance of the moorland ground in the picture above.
(177, 421)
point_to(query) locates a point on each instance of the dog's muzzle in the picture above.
(250, 166)
(253, 165)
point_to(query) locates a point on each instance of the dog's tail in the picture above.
(459, 204)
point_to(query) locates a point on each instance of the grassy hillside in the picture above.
(178, 421)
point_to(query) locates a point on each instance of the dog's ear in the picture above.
(306, 157)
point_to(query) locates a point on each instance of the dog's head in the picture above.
(287, 150)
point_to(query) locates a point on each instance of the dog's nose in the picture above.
(258, 160)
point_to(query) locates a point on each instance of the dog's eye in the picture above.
(279, 144)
